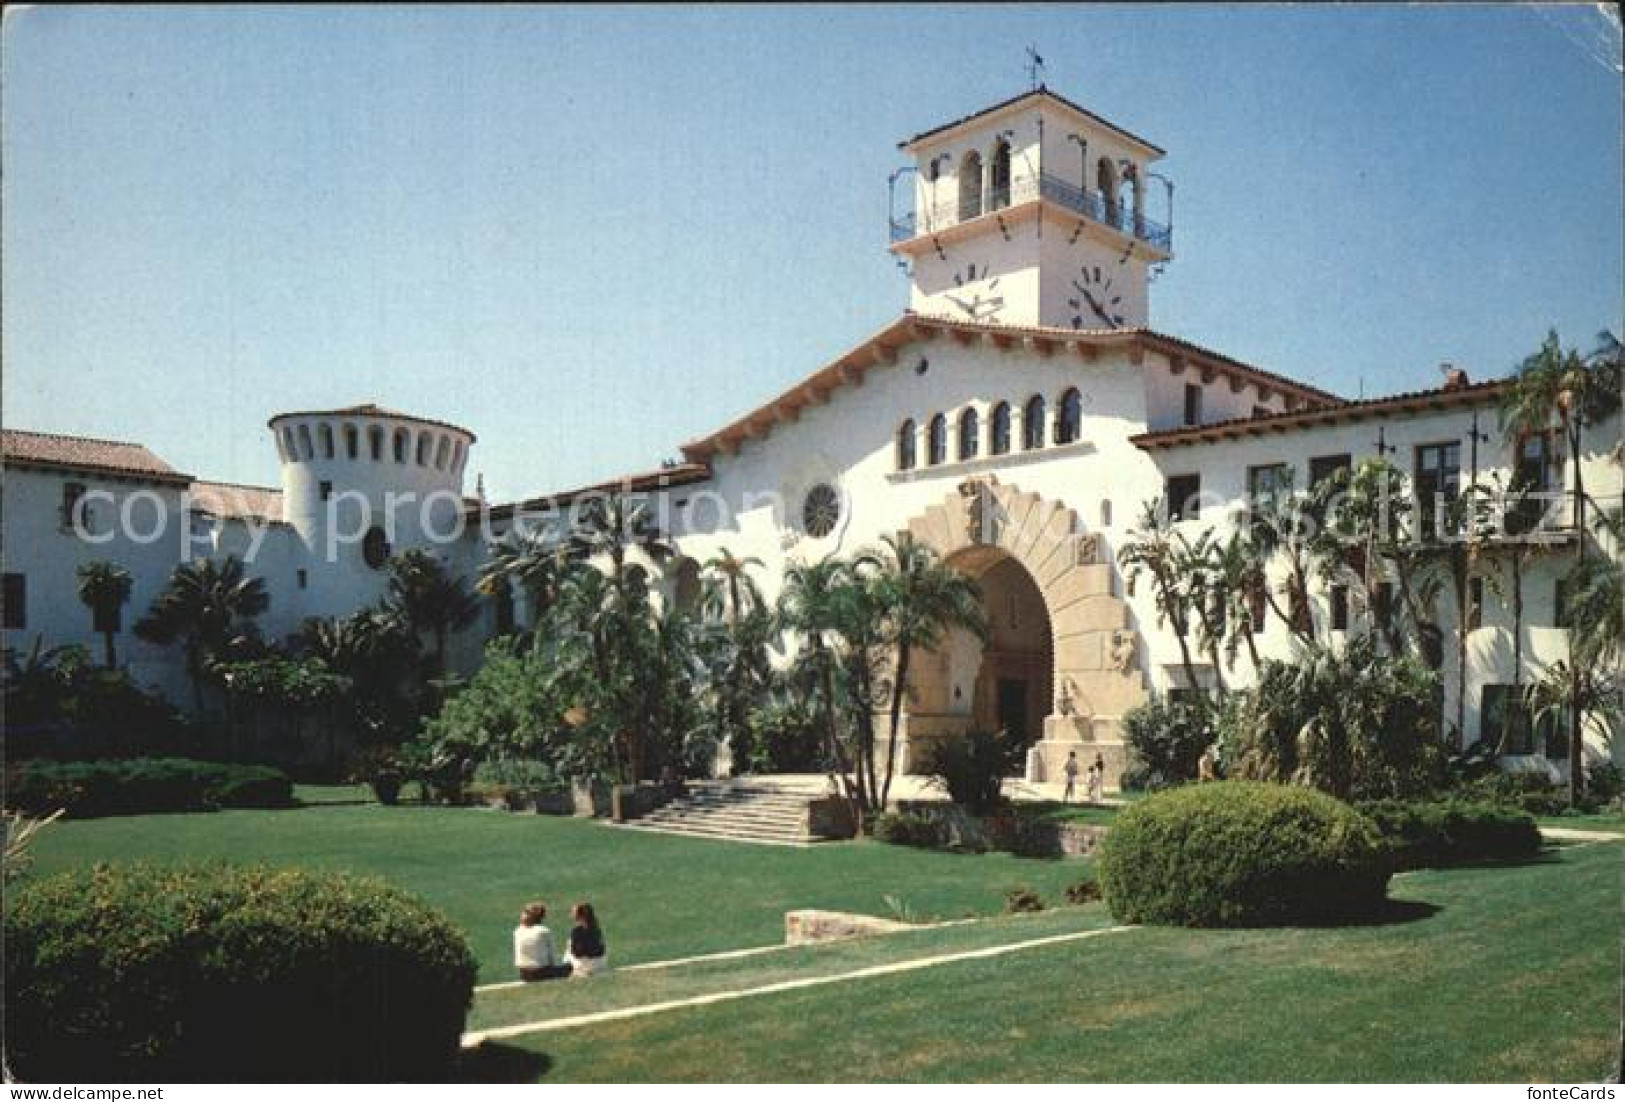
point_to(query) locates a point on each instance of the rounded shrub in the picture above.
(219, 973)
(1242, 853)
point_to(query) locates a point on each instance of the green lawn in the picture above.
(1504, 974)
(660, 896)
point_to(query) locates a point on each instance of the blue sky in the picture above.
(592, 234)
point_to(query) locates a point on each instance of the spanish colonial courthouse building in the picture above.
(1016, 416)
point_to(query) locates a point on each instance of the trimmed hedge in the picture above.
(1242, 853)
(217, 973)
(910, 828)
(1420, 834)
(143, 785)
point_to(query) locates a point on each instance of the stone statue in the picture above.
(980, 520)
(1122, 650)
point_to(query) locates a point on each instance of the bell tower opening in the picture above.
(1019, 238)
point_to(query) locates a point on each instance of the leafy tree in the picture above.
(209, 608)
(733, 645)
(611, 528)
(810, 608)
(104, 588)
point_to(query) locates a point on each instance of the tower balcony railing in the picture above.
(1092, 205)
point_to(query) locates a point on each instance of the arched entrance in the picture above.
(1061, 657)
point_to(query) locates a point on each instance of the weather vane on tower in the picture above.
(1035, 68)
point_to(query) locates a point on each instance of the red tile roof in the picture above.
(1416, 401)
(1037, 93)
(681, 474)
(83, 453)
(228, 499)
(882, 348)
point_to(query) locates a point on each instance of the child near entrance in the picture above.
(1097, 780)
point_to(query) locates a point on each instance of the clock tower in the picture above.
(1032, 212)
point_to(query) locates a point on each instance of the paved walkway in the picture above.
(549, 1025)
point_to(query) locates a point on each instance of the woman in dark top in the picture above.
(587, 953)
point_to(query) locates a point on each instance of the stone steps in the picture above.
(740, 813)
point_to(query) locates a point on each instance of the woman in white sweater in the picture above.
(534, 952)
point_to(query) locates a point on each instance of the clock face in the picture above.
(984, 305)
(1098, 302)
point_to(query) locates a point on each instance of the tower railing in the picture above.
(1089, 204)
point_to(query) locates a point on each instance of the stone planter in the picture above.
(590, 798)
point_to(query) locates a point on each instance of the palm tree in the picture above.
(740, 627)
(810, 605)
(1236, 570)
(104, 588)
(612, 528)
(921, 598)
(1150, 550)
(424, 594)
(207, 607)
(1198, 562)
(528, 562)
(731, 593)
(1576, 391)
(1282, 523)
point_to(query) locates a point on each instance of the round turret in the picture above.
(369, 478)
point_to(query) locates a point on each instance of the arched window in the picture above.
(1106, 180)
(306, 451)
(1032, 424)
(423, 449)
(1106, 512)
(1131, 201)
(325, 435)
(970, 434)
(352, 442)
(998, 184)
(1001, 429)
(970, 186)
(905, 446)
(375, 441)
(288, 445)
(937, 441)
(1069, 419)
(442, 453)
(457, 457)
(400, 445)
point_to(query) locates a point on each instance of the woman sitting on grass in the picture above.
(534, 952)
(587, 956)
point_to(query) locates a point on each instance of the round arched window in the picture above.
(375, 548)
(821, 510)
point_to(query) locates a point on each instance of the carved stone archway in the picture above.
(1097, 673)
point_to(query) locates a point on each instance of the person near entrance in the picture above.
(1097, 780)
(1071, 777)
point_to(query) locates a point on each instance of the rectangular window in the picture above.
(326, 490)
(1534, 478)
(1438, 482)
(1384, 605)
(72, 492)
(1325, 467)
(1184, 496)
(1561, 615)
(1267, 482)
(1552, 734)
(1193, 404)
(1475, 603)
(1503, 719)
(303, 577)
(1340, 608)
(14, 598)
